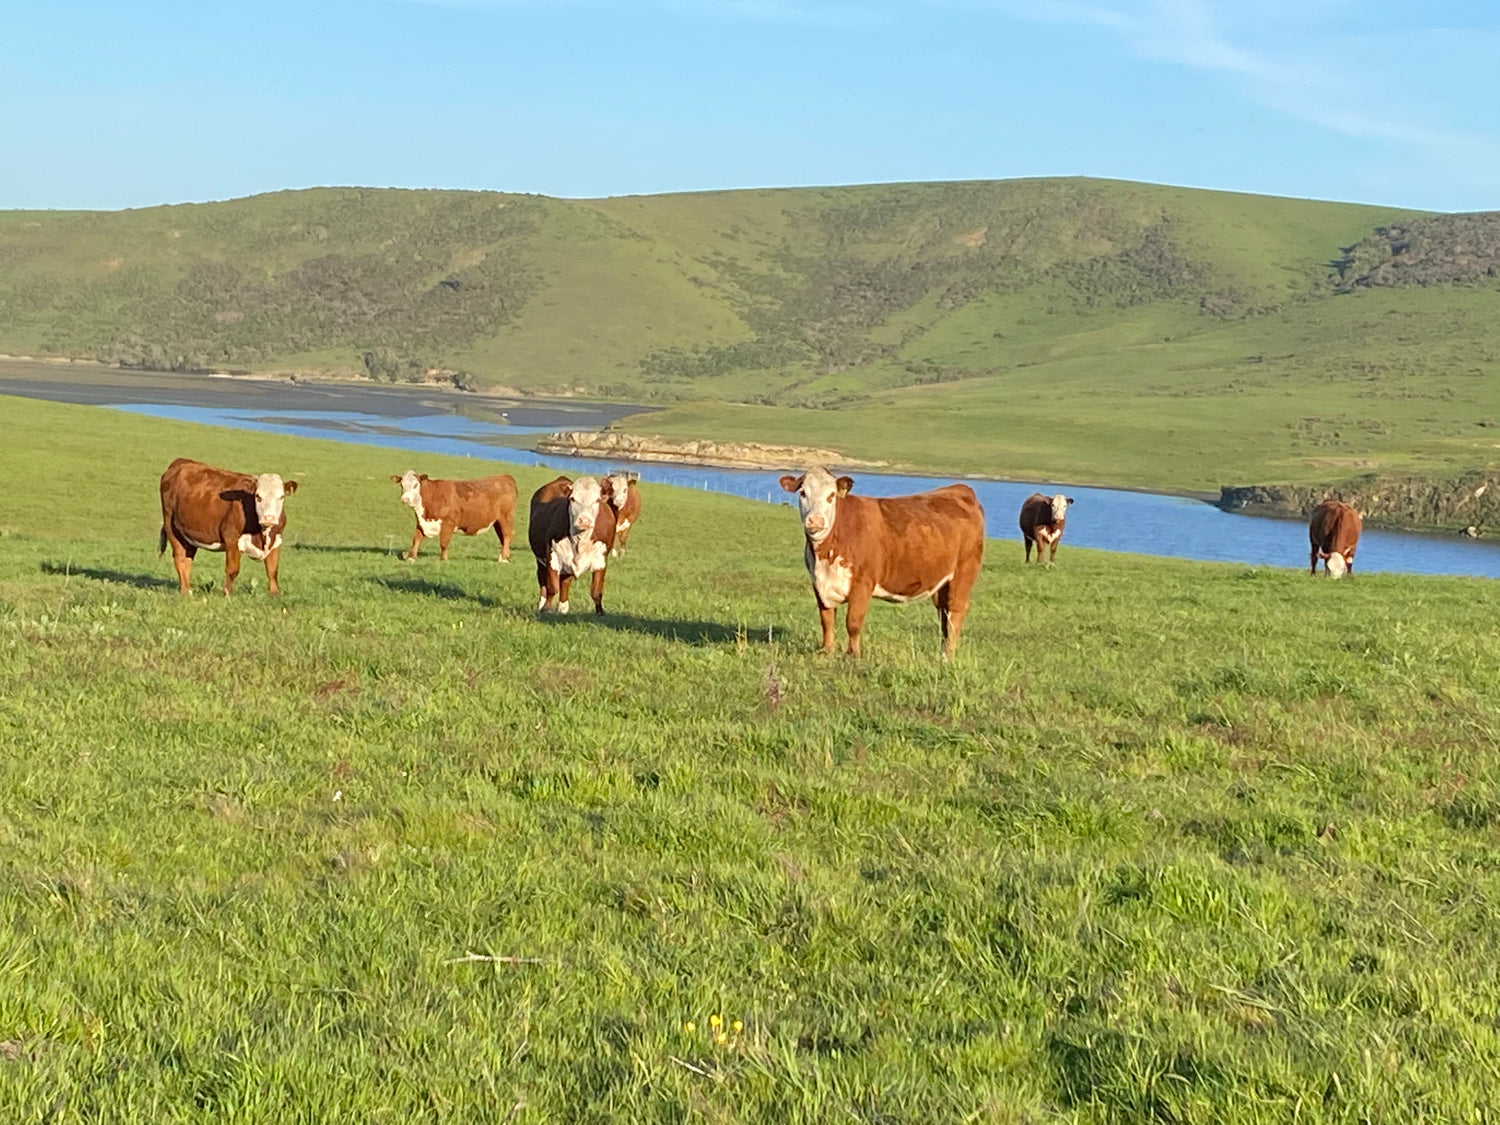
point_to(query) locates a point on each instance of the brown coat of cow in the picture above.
(627, 508)
(209, 509)
(898, 549)
(1333, 532)
(561, 543)
(1043, 519)
(445, 506)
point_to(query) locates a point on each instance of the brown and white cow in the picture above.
(209, 509)
(1042, 521)
(445, 506)
(625, 499)
(572, 529)
(1333, 532)
(898, 549)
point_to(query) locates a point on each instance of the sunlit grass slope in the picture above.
(1088, 330)
(1165, 842)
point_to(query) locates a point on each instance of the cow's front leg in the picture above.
(445, 536)
(231, 565)
(273, 564)
(854, 618)
(564, 584)
(416, 544)
(826, 616)
(596, 591)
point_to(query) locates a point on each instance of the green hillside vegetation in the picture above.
(1165, 842)
(1079, 329)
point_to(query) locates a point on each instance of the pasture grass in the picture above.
(1165, 842)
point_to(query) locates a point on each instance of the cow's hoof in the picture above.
(562, 607)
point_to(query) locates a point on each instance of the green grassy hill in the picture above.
(1165, 842)
(1080, 329)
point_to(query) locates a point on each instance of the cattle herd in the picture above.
(898, 549)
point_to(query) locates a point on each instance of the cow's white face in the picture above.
(1338, 566)
(270, 495)
(1060, 507)
(411, 490)
(583, 505)
(619, 488)
(817, 498)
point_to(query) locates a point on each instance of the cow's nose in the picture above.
(815, 523)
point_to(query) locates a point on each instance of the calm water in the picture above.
(1108, 519)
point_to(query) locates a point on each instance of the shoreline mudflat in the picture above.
(88, 384)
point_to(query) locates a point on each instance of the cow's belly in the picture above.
(914, 590)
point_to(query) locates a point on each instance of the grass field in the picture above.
(1166, 842)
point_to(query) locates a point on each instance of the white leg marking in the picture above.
(562, 607)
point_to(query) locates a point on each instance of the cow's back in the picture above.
(1334, 526)
(911, 541)
(1036, 511)
(193, 499)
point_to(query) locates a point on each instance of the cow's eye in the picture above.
(831, 495)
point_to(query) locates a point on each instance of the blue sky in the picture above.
(126, 104)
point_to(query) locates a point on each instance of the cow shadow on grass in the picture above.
(105, 574)
(667, 628)
(339, 549)
(429, 589)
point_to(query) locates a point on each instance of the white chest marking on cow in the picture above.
(430, 528)
(575, 557)
(624, 525)
(831, 578)
(885, 595)
(1045, 536)
(248, 547)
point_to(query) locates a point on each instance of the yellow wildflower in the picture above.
(690, 1027)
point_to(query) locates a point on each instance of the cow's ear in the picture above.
(791, 483)
(289, 487)
(1070, 499)
(395, 479)
(424, 476)
(845, 485)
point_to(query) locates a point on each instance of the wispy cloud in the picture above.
(1290, 63)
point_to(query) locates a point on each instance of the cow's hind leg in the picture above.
(954, 605)
(182, 560)
(1028, 550)
(596, 591)
(1313, 563)
(505, 528)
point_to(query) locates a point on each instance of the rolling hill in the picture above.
(1086, 330)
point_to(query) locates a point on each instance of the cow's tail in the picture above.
(161, 543)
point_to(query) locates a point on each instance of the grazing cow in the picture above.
(1042, 521)
(572, 529)
(445, 506)
(897, 549)
(1333, 532)
(625, 499)
(209, 509)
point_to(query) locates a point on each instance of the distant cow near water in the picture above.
(897, 549)
(625, 499)
(571, 532)
(209, 509)
(1333, 532)
(445, 506)
(1042, 521)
